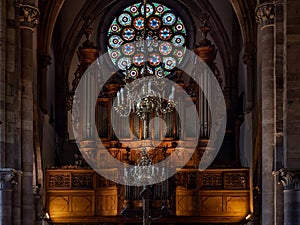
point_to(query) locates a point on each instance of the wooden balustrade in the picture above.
(212, 196)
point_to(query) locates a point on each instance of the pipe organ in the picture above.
(80, 195)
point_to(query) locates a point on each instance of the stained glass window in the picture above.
(164, 28)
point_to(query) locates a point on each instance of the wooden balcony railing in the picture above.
(212, 196)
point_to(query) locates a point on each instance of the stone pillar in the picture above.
(28, 16)
(265, 17)
(278, 153)
(8, 177)
(2, 80)
(290, 175)
(291, 183)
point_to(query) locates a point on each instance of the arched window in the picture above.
(162, 25)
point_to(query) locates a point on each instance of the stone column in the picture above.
(8, 177)
(2, 78)
(265, 17)
(291, 183)
(278, 153)
(28, 16)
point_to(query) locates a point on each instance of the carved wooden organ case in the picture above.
(81, 195)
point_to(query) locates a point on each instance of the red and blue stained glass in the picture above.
(165, 34)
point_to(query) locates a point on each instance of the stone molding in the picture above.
(8, 178)
(28, 16)
(290, 179)
(265, 14)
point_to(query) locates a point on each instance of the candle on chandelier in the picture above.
(149, 86)
(122, 95)
(118, 98)
(171, 97)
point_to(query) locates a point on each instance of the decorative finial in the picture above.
(205, 49)
(88, 31)
(205, 29)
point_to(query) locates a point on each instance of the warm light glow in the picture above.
(248, 216)
(47, 216)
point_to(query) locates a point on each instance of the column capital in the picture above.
(28, 16)
(8, 177)
(290, 179)
(265, 14)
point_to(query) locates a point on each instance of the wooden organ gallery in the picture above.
(219, 194)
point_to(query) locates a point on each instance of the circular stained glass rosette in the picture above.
(169, 19)
(138, 23)
(160, 72)
(115, 28)
(178, 40)
(170, 63)
(128, 34)
(179, 53)
(125, 19)
(138, 60)
(165, 48)
(133, 73)
(115, 41)
(114, 55)
(154, 60)
(124, 63)
(166, 40)
(128, 49)
(179, 27)
(134, 9)
(149, 10)
(154, 23)
(165, 34)
(160, 9)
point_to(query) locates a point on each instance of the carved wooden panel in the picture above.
(210, 196)
(58, 205)
(236, 180)
(211, 181)
(70, 204)
(107, 202)
(82, 204)
(59, 181)
(237, 204)
(82, 180)
(187, 180)
(186, 203)
(211, 205)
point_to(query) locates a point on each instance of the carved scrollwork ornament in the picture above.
(290, 179)
(8, 178)
(28, 16)
(265, 14)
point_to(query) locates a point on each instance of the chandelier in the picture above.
(144, 96)
(144, 171)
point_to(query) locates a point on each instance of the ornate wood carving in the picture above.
(82, 181)
(211, 181)
(210, 196)
(235, 180)
(59, 181)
